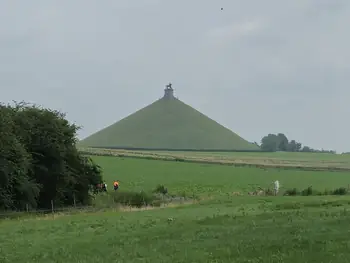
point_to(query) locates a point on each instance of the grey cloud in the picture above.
(327, 6)
(102, 60)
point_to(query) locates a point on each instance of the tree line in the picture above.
(280, 142)
(39, 161)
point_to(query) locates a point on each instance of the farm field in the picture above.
(210, 179)
(274, 155)
(219, 228)
(297, 158)
(315, 161)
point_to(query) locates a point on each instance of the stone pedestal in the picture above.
(168, 92)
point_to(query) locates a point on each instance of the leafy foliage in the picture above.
(280, 142)
(135, 199)
(340, 191)
(39, 161)
(291, 192)
(308, 191)
(160, 189)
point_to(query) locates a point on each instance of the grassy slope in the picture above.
(168, 124)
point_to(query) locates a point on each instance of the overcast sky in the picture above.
(257, 67)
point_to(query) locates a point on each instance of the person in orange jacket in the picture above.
(116, 185)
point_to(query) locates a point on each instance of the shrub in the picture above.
(136, 199)
(269, 192)
(327, 192)
(291, 192)
(316, 192)
(340, 191)
(157, 203)
(308, 191)
(161, 189)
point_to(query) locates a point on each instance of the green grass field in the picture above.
(220, 228)
(210, 179)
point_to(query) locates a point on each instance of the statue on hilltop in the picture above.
(169, 86)
(168, 91)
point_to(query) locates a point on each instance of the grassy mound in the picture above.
(168, 124)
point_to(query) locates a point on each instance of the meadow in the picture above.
(220, 227)
(210, 179)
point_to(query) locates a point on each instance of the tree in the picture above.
(39, 160)
(294, 146)
(269, 143)
(279, 142)
(282, 142)
(16, 187)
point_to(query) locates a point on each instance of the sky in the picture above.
(256, 67)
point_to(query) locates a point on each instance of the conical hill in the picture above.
(167, 124)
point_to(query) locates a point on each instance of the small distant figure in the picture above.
(169, 86)
(97, 188)
(104, 187)
(116, 185)
(276, 187)
(222, 8)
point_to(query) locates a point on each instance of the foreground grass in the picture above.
(210, 180)
(240, 229)
(220, 228)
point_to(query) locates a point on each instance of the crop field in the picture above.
(221, 227)
(210, 179)
(311, 161)
(318, 157)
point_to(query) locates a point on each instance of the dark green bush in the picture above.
(269, 192)
(340, 191)
(135, 199)
(160, 189)
(327, 192)
(291, 192)
(39, 161)
(308, 191)
(157, 203)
